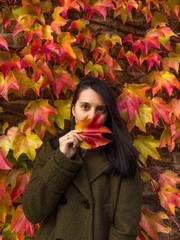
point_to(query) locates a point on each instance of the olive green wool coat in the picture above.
(78, 201)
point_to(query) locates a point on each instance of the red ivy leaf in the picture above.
(128, 38)
(66, 5)
(91, 134)
(151, 59)
(131, 97)
(100, 7)
(4, 164)
(20, 224)
(131, 58)
(159, 108)
(60, 78)
(3, 43)
(7, 62)
(141, 235)
(39, 67)
(21, 183)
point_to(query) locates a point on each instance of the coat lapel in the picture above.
(81, 180)
(98, 166)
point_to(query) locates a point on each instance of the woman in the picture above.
(86, 194)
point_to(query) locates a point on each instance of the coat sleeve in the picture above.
(128, 210)
(51, 175)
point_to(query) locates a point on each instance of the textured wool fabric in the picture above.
(75, 201)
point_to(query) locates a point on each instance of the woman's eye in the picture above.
(101, 110)
(85, 106)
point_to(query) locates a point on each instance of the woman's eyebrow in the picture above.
(85, 103)
(102, 105)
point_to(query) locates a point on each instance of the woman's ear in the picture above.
(73, 113)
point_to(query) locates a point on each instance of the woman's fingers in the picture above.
(75, 135)
(70, 138)
(70, 141)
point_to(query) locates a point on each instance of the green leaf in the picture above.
(22, 160)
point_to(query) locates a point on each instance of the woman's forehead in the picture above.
(89, 95)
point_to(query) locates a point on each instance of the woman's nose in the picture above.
(92, 113)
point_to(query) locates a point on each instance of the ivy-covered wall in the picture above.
(129, 20)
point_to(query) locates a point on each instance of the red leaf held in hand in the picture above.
(91, 134)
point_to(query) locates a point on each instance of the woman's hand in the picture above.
(69, 142)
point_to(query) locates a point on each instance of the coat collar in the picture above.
(81, 181)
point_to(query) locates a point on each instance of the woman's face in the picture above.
(88, 104)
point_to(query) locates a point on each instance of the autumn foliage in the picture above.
(60, 48)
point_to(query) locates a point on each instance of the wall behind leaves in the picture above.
(46, 48)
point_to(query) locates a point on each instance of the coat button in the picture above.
(87, 204)
(63, 200)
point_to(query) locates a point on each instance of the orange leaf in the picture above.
(169, 177)
(152, 223)
(92, 133)
(38, 111)
(165, 80)
(6, 84)
(20, 224)
(2, 186)
(169, 198)
(175, 106)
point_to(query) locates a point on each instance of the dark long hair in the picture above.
(120, 153)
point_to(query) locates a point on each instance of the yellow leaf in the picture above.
(142, 118)
(26, 143)
(6, 140)
(146, 146)
(63, 108)
(159, 19)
